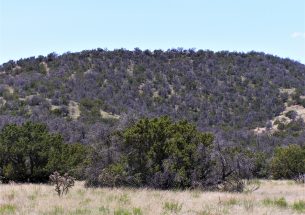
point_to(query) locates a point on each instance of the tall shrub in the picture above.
(288, 162)
(161, 153)
(30, 153)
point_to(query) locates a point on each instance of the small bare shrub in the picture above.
(62, 183)
(232, 184)
(300, 179)
(237, 184)
(251, 186)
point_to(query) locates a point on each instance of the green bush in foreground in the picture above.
(299, 206)
(7, 209)
(162, 154)
(29, 153)
(288, 162)
(279, 202)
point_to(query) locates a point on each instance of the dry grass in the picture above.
(74, 111)
(273, 197)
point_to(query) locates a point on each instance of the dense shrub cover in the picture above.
(222, 90)
(150, 152)
(29, 153)
(162, 154)
(86, 96)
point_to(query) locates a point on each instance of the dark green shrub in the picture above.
(75, 157)
(288, 162)
(30, 153)
(61, 112)
(281, 126)
(291, 114)
(90, 109)
(162, 154)
(261, 165)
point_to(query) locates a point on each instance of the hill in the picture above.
(248, 98)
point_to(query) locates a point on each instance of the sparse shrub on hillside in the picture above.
(281, 126)
(63, 111)
(35, 100)
(90, 109)
(291, 114)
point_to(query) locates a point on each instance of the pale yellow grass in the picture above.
(41, 199)
(74, 111)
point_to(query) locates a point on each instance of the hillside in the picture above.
(79, 94)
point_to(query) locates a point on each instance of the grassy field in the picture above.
(273, 197)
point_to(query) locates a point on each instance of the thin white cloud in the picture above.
(298, 35)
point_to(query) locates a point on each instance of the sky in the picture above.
(35, 27)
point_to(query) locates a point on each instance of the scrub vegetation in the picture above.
(152, 132)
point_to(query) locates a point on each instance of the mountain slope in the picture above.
(77, 94)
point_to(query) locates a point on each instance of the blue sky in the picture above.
(35, 27)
